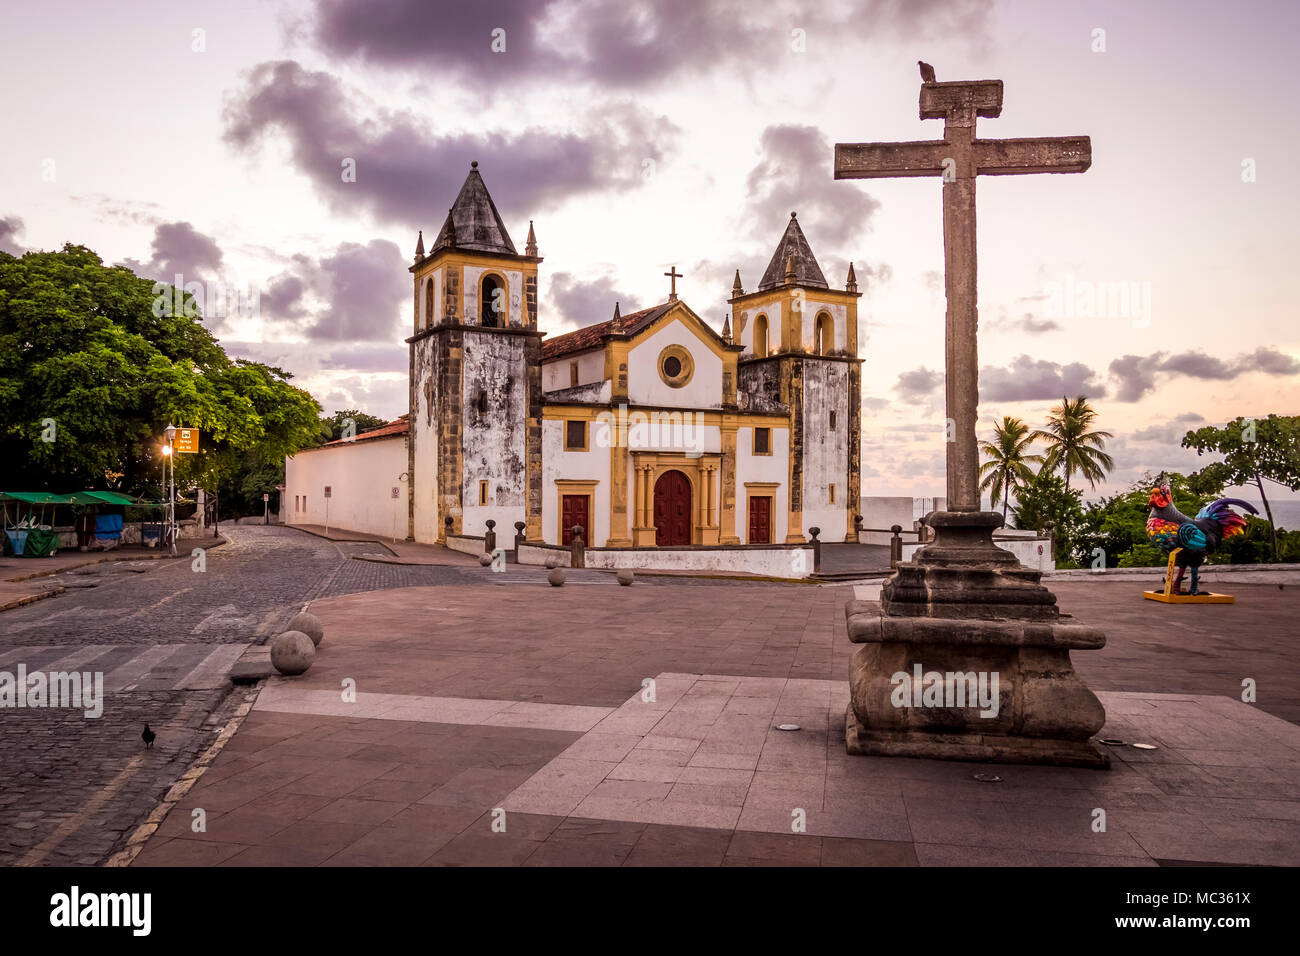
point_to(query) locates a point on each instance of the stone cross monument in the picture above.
(964, 611)
(959, 157)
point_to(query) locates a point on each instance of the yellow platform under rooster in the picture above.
(1167, 596)
(1202, 598)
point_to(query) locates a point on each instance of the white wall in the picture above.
(591, 368)
(773, 467)
(591, 465)
(826, 452)
(646, 387)
(746, 337)
(494, 443)
(361, 475)
(472, 277)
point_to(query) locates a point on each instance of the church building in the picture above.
(648, 429)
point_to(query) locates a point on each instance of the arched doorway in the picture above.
(672, 509)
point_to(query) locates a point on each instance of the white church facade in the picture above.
(647, 430)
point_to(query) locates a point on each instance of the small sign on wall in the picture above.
(329, 492)
(397, 492)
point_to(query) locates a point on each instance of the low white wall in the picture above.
(880, 511)
(1034, 552)
(768, 562)
(466, 544)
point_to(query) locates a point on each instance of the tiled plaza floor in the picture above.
(514, 727)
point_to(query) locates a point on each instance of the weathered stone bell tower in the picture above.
(476, 389)
(801, 353)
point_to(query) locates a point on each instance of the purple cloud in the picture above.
(409, 175)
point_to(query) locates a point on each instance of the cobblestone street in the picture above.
(163, 635)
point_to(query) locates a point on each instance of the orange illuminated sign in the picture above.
(187, 441)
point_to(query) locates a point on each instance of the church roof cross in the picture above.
(673, 276)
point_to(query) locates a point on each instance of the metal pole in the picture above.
(171, 501)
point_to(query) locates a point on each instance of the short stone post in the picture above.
(817, 548)
(490, 537)
(577, 549)
(519, 535)
(857, 529)
(895, 545)
(1049, 528)
(447, 523)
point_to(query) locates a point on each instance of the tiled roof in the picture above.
(394, 429)
(478, 226)
(806, 271)
(593, 336)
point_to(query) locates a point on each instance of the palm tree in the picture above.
(1007, 466)
(1072, 445)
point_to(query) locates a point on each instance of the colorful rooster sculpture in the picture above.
(1191, 539)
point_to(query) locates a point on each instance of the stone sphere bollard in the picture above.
(556, 577)
(626, 577)
(310, 625)
(485, 560)
(552, 562)
(292, 653)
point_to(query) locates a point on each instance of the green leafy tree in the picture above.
(1072, 443)
(335, 426)
(1007, 467)
(1254, 451)
(1044, 499)
(95, 361)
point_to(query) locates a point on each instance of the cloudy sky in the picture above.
(210, 141)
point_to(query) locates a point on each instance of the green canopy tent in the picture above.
(33, 537)
(27, 538)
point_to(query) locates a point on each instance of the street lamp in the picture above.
(170, 453)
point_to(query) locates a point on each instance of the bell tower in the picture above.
(476, 389)
(801, 349)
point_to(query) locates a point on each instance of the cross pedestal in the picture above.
(964, 609)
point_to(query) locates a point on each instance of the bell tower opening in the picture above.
(492, 305)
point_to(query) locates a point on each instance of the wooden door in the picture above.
(573, 511)
(760, 519)
(672, 509)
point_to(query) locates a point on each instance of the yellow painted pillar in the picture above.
(727, 482)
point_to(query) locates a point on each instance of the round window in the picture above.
(675, 366)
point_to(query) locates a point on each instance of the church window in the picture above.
(482, 401)
(825, 334)
(832, 421)
(492, 303)
(573, 373)
(482, 492)
(760, 337)
(832, 489)
(575, 435)
(676, 366)
(762, 441)
(428, 302)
